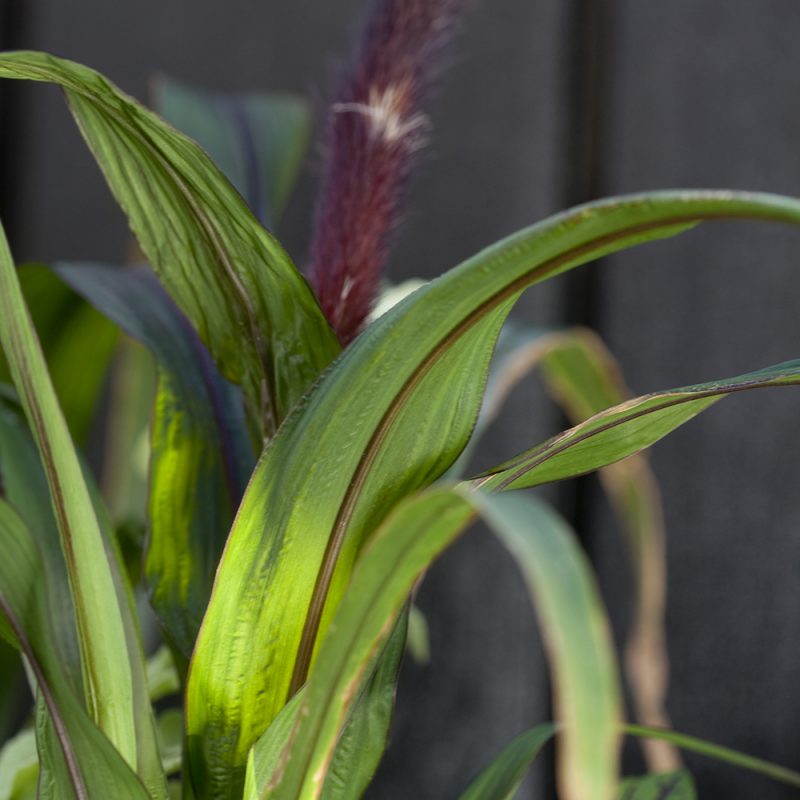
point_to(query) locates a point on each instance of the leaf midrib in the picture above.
(366, 609)
(555, 447)
(357, 482)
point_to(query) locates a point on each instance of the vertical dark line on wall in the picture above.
(12, 24)
(588, 70)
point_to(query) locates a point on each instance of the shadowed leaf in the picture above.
(583, 377)
(71, 332)
(676, 785)
(101, 635)
(258, 140)
(501, 779)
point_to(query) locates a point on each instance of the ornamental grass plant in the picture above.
(222, 610)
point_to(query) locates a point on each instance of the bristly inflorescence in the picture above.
(375, 126)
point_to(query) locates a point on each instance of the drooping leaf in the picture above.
(104, 658)
(584, 378)
(200, 449)
(229, 276)
(71, 333)
(625, 429)
(405, 396)
(677, 785)
(577, 640)
(258, 140)
(692, 744)
(501, 779)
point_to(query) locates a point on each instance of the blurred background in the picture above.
(545, 104)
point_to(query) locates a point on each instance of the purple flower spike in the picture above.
(375, 125)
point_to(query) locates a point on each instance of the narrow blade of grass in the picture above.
(106, 669)
(700, 746)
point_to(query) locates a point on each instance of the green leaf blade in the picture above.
(19, 767)
(200, 449)
(677, 785)
(86, 763)
(577, 639)
(360, 629)
(726, 755)
(625, 429)
(364, 738)
(70, 331)
(360, 745)
(579, 646)
(230, 276)
(501, 779)
(26, 489)
(582, 376)
(107, 672)
(319, 489)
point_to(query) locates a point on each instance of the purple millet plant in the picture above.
(374, 128)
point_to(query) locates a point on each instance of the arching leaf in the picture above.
(404, 397)
(108, 682)
(623, 430)
(229, 276)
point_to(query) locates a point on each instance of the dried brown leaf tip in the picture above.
(374, 127)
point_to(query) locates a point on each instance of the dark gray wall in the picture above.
(703, 96)
(546, 103)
